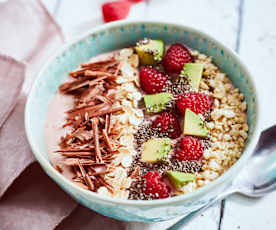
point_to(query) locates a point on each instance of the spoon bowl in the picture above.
(259, 175)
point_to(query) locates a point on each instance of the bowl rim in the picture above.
(55, 175)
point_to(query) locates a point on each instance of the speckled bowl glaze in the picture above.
(115, 36)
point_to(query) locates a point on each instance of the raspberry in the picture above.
(154, 185)
(175, 58)
(136, 1)
(197, 102)
(191, 149)
(152, 81)
(115, 10)
(167, 123)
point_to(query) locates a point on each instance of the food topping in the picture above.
(145, 125)
(152, 81)
(167, 124)
(179, 179)
(150, 52)
(175, 58)
(194, 125)
(157, 102)
(191, 149)
(156, 150)
(199, 103)
(193, 72)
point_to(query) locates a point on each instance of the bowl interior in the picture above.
(116, 36)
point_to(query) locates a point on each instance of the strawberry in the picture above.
(115, 10)
(152, 81)
(155, 186)
(175, 58)
(197, 102)
(191, 149)
(167, 123)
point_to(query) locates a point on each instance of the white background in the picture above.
(247, 26)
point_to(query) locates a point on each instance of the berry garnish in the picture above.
(167, 123)
(155, 186)
(175, 58)
(191, 149)
(152, 81)
(197, 102)
(136, 1)
(115, 10)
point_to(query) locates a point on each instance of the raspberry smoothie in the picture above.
(147, 122)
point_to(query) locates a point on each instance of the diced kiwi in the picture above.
(155, 103)
(150, 52)
(179, 179)
(156, 150)
(193, 71)
(194, 125)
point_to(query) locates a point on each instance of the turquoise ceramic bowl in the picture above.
(118, 35)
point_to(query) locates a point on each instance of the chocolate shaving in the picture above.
(96, 140)
(105, 111)
(91, 92)
(100, 173)
(109, 123)
(84, 135)
(78, 73)
(106, 122)
(74, 162)
(90, 144)
(85, 109)
(104, 99)
(107, 185)
(79, 83)
(70, 86)
(99, 63)
(90, 73)
(74, 150)
(107, 141)
(67, 124)
(78, 154)
(77, 171)
(86, 177)
(58, 168)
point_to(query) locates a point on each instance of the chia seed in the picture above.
(146, 132)
(178, 86)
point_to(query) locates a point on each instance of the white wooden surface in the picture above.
(247, 26)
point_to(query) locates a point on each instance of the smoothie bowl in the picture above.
(143, 121)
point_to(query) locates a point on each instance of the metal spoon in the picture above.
(256, 179)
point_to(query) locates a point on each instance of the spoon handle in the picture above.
(185, 220)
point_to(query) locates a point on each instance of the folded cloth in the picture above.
(12, 74)
(29, 34)
(82, 219)
(34, 202)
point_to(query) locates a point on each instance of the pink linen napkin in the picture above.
(33, 201)
(12, 72)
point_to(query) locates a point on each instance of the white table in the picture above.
(247, 26)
